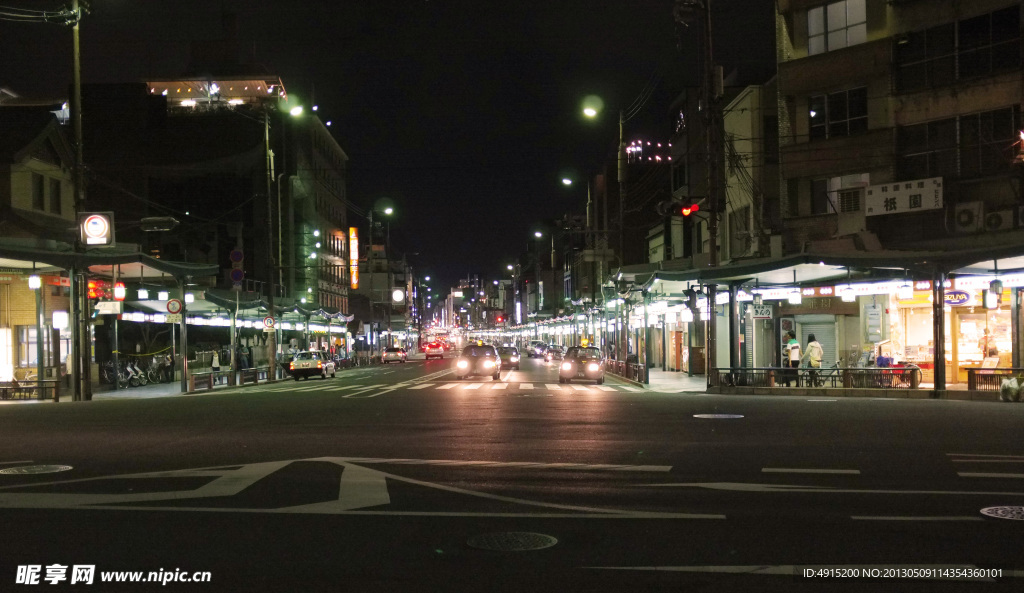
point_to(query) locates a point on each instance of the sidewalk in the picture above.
(676, 382)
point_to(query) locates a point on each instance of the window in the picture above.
(966, 49)
(55, 197)
(38, 197)
(844, 113)
(968, 146)
(836, 25)
(837, 194)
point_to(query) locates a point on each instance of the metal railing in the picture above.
(30, 390)
(990, 379)
(830, 377)
(627, 370)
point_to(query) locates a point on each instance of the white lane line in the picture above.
(925, 518)
(474, 386)
(580, 388)
(550, 386)
(984, 455)
(822, 400)
(420, 386)
(987, 460)
(796, 470)
(525, 386)
(606, 388)
(505, 464)
(499, 386)
(987, 475)
(449, 386)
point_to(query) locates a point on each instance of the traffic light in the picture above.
(678, 208)
(686, 209)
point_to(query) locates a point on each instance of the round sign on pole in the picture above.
(268, 321)
(174, 306)
(236, 275)
(236, 256)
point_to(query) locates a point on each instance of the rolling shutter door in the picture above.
(825, 333)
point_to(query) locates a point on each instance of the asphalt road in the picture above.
(399, 478)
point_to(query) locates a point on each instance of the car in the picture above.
(553, 352)
(509, 357)
(536, 349)
(394, 355)
(478, 360)
(434, 350)
(582, 363)
(309, 363)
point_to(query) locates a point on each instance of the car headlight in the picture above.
(463, 364)
(566, 366)
(488, 364)
(593, 366)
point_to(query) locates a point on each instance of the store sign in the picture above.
(761, 312)
(353, 257)
(903, 196)
(109, 307)
(957, 297)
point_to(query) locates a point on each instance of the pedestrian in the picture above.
(987, 345)
(814, 354)
(792, 350)
(215, 365)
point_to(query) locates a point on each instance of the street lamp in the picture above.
(36, 284)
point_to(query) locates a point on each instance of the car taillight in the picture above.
(292, 365)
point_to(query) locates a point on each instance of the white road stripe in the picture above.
(628, 388)
(580, 388)
(822, 400)
(449, 386)
(499, 386)
(984, 455)
(526, 386)
(550, 386)
(505, 464)
(474, 386)
(987, 460)
(882, 518)
(606, 388)
(793, 470)
(987, 475)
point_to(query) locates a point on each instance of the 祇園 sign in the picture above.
(901, 197)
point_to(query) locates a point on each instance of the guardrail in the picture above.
(831, 377)
(990, 379)
(253, 375)
(627, 370)
(30, 390)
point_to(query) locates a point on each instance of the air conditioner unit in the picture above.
(999, 220)
(967, 217)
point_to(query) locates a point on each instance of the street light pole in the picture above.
(272, 337)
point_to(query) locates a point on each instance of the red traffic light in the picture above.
(689, 209)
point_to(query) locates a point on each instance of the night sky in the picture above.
(465, 113)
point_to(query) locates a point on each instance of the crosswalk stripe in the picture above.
(420, 386)
(526, 385)
(550, 386)
(580, 388)
(448, 386)
(632, 389)
(605, 388)
(499, 386)
(474, 386)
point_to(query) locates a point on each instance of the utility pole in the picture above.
(272, 338)
(81, 338)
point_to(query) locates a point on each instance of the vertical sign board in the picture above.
(96, 228)
(353, 256)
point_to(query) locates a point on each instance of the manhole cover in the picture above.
(717, 415)
(35, 469)
(512, 541)
(1012, 513)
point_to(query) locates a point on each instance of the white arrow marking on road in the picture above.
(743, 487)
(359, 488)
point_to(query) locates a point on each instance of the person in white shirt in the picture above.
(813, 355)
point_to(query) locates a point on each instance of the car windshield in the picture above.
(394, 350)
(478, 351)
(508, 350)
(585, 353)
(307, 356)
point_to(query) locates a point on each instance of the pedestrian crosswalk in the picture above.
(358, 389)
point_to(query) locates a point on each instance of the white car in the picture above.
(434, 350)
(394, 355)
(311, 363)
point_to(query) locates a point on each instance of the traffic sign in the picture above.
(236, 275)
(174, 318)
(96, 228)
(174, 306)
(268, 322)
(236, 256)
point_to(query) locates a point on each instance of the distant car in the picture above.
(478, 360)
(553, 353)
(536, 349)
(582, 363)
(434, 350)
(509, 357)
(394, 355)
(311, 363)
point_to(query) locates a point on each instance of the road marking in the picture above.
(628, 388)
(448, 386)
(506, 464)
(420, 386)
(987, 460)
(499, 386)
(788, 470)
(987, 475)
(925, 518)
(526, 385)
(12, 462)
(606, 388)
(580, 388)
(474, 386)
(985, 455)
(822, 400)
(747, 487)
(550, 386)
